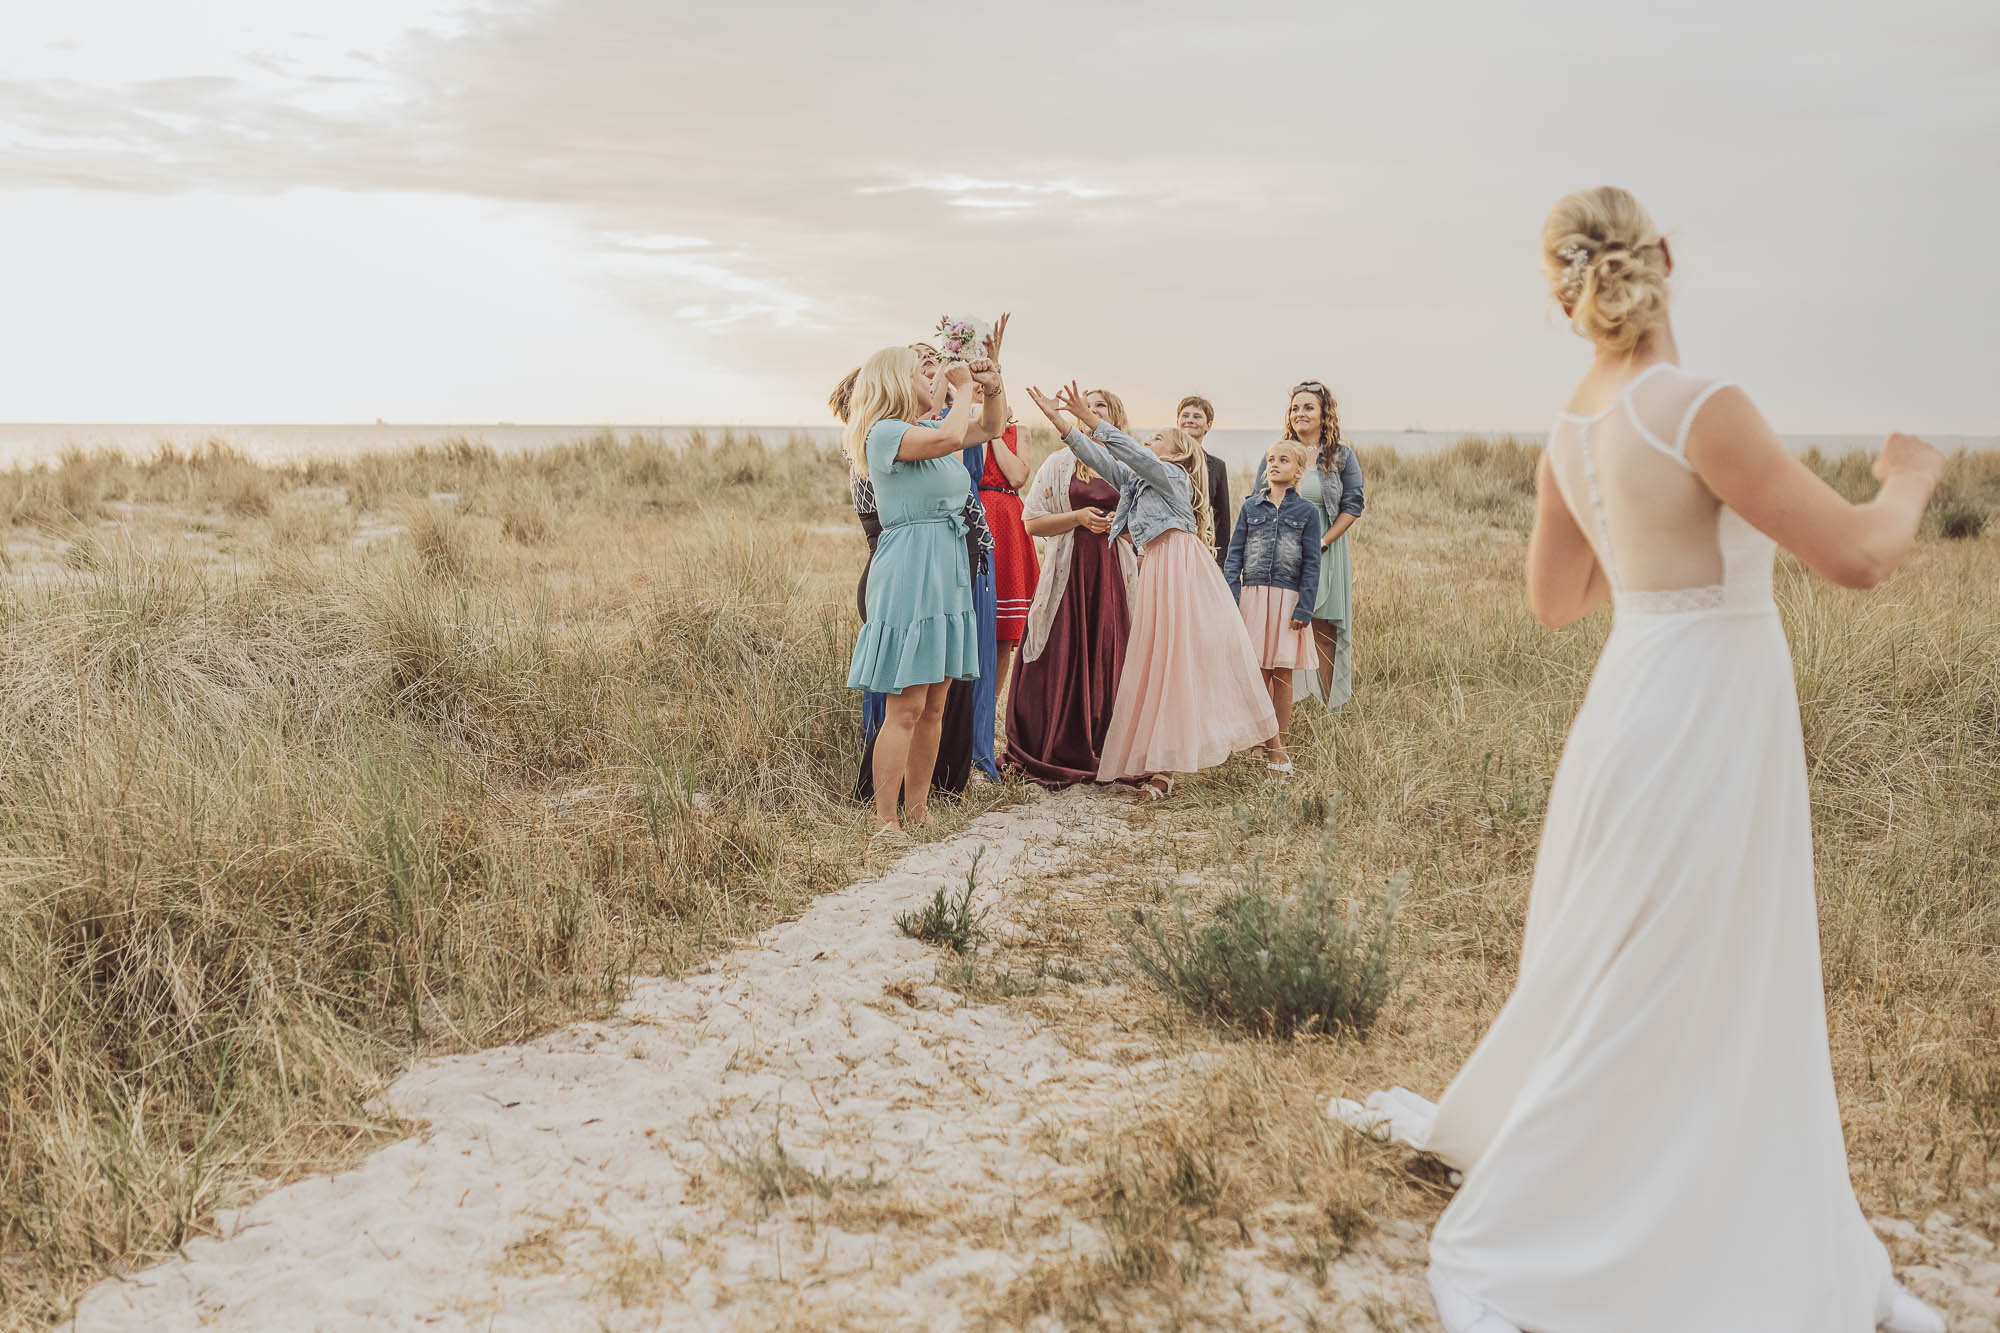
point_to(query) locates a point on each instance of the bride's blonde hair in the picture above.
(1606, 263)
(882, 392)
(1185, 451)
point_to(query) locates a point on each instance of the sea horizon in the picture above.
(27, 444)
(45, 443)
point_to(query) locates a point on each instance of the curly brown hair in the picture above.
(1329, 443)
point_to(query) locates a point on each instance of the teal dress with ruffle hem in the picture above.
(921, 626)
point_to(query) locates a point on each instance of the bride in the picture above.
(1648, 1133)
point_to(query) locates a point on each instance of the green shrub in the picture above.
(1959, 522)
(948, 919)
(1273, 965)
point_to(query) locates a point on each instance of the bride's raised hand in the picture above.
(1073, 402)
(1907, 453)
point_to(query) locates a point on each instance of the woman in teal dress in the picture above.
(921, 631)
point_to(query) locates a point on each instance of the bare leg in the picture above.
(924, 752)
(893, 747)
(1004, 688)
(1325, 637)
(1279, 681)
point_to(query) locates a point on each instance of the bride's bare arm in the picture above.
(1565, 582)
(1741, 458)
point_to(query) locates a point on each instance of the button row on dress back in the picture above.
(1597, 506)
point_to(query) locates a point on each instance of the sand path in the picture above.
(810, 1133)
(621, 1174)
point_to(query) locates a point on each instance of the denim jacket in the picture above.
(1276, 546)
(1154, 496)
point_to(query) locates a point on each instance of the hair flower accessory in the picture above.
(1576, 258)
(962, 338)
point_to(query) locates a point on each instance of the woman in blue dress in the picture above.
(921, 629)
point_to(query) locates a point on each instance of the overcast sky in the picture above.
(678, 210)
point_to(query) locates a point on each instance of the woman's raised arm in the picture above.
(1734, 450)
(948, 437)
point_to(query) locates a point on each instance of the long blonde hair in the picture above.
(1114, 407)
(1114, 412)
(1186, 453)
(1607, 264)
(882, 392)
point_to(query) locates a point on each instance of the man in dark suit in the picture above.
(1195, 415)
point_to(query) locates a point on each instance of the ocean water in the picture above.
(30, 443)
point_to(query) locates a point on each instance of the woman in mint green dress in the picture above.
(921, 630)
(1333, 483)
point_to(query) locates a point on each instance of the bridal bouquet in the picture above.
(961, 338)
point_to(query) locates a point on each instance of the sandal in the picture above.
(1158, 787)
(1285, 767)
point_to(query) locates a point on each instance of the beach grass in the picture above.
(312, 768)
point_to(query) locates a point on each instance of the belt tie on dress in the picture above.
(955, 520)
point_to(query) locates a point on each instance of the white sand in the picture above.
(584, 1180)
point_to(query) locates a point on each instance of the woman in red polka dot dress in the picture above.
(1015, 568)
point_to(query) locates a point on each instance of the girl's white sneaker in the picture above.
(1460, 1313)
(1907, 1314)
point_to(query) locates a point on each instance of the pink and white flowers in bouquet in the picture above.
(961, 338)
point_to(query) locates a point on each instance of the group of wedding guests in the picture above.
(1151, 635)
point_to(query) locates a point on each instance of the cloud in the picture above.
(1344, 192)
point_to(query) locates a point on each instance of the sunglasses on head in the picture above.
(1313, 386)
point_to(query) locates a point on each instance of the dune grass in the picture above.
(282, 804)
(310, 768)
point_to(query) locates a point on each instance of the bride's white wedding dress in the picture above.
(1648, 1133)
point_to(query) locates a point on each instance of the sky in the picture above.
(678, 210)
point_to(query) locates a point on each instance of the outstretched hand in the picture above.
(1073, 402)
(993, 339)
(1050, 409)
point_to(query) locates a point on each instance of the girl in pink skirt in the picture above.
(1273, 568)
(1190, 694)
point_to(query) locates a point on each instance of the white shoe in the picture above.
(1460, 1313)
(1907, 1314)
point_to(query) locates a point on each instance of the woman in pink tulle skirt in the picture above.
(1191, 693)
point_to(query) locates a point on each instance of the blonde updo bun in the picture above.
(1605, 262)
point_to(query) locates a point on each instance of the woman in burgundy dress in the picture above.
(1073, 646)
